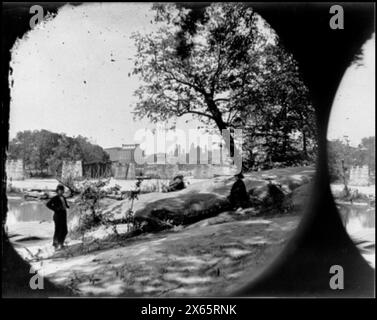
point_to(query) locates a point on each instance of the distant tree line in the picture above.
(43, 151)
(341, 155)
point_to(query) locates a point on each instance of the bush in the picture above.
(88, 204)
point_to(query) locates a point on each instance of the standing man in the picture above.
(59, 205)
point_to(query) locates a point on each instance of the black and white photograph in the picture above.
(351, 147)
(181, 150)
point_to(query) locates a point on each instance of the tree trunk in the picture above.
(304, 138)
(304, 144)
(285, 134)
(221, 125)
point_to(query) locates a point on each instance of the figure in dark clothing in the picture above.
(239, 197)
(176, 184)
(59, 205)
(275, 197)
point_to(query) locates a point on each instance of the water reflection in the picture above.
(359, 221)
(25, 211)
(357, 218)
(20, 210)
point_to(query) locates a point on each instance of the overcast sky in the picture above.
(353, 111)
(71, 75)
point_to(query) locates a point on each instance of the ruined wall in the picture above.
(131, 174)
(205, 171)
(15, 169)
(162, 171)
(359, 176)
(119, 170)
(168, 171)
(198, 171)
(71, 169)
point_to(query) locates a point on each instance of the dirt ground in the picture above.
(209, 259)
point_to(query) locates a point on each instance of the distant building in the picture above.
(359, 176)
(123, 161)
(15, 169)
(124, 154)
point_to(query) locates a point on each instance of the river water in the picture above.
(29, 222)
(359, 221)
(358, 217)
(24, 211)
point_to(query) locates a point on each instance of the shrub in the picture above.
(88, 204)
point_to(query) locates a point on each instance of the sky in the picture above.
(353, 111)
(72, 74)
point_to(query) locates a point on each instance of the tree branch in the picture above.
(196, 112)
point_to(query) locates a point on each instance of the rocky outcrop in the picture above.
(181, 210)
(270, 193)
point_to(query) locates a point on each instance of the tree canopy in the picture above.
(340, 150)
(43, 151)
(226, 67)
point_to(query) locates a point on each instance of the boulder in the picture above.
(184, 209)
(208, 198)
(298, 200)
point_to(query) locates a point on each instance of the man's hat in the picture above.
(60, 187)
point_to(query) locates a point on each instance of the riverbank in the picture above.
(208, 257)
(50, 184)
(359, 221)
(358, 216)
(337, 188)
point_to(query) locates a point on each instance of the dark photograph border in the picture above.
(302, 269)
